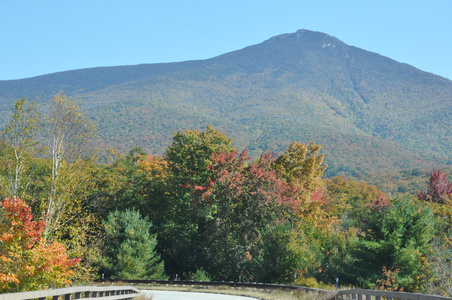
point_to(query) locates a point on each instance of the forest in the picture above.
(205, 210)
(371, 114)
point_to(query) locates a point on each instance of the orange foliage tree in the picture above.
(27, 260)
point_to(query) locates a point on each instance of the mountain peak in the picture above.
(316, 39)
(303, 86)
(302, 33)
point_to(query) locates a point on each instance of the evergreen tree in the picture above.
(394, 237)
(130, 248)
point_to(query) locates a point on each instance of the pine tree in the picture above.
(130, 248)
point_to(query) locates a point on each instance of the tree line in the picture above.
(204, 209)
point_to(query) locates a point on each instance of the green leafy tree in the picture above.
(18, 148)
(121, 185)
(436, 276)
(69, 131)
(280, 260)
(191, 152)
(130, 248)
(244, 200)
(54, 187)
(188, 158)
(134, 181)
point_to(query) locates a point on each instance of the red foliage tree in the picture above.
(27, 261)
(439, 188)
(243, 200)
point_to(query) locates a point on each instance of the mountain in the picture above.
(370, 113)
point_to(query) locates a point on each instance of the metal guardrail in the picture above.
(358, 294)
(259, 286)
(129, 292)
(354, 294)
(82, 292)
(212, 283)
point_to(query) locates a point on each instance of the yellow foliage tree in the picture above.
(301, 166)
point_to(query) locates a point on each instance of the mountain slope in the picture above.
(370, 113)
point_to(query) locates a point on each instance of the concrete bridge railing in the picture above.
(82, 292)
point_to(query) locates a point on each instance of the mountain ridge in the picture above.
(305, 86)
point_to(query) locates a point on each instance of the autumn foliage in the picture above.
(439, 188)
(221, 213)
(242, 200)
(27, 260)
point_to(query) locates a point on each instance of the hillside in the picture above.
(371, 113)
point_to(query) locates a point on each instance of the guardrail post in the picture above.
(78, 295)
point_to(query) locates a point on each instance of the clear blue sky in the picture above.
(41, 37)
